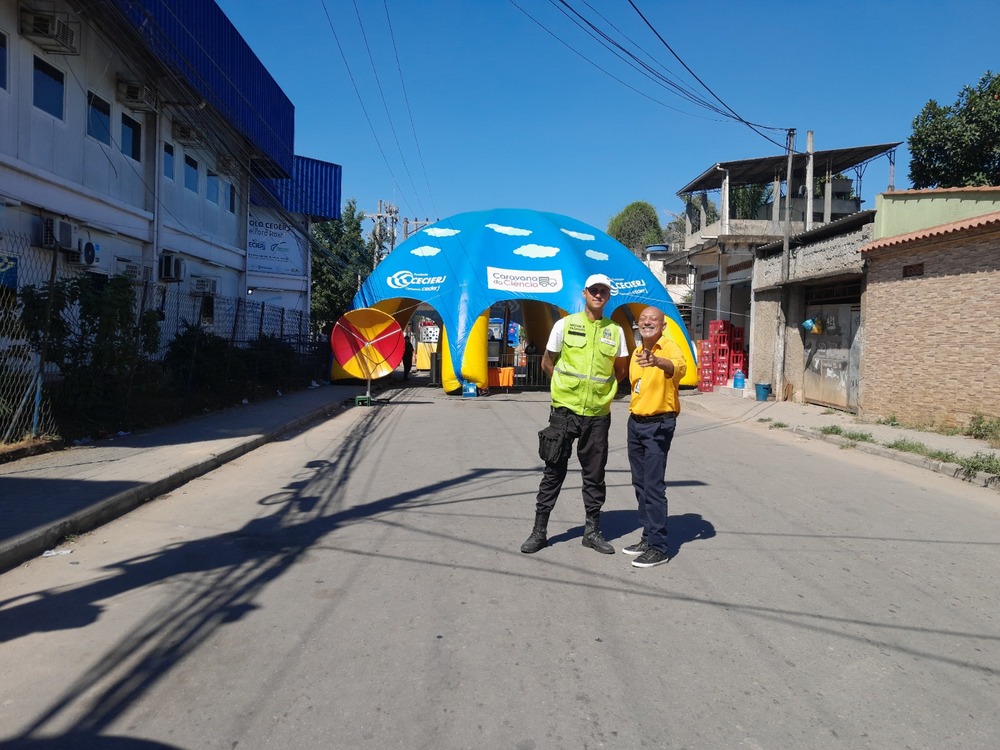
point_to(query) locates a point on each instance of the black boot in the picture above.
(537, 540)
(592, 536)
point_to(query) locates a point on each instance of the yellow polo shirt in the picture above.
(652, 391)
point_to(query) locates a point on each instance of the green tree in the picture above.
(100, 343)
(341, 261)
(675, 232)
(636, 226)
(747, 200)
(958, 146)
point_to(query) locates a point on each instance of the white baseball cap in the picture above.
(598, 278)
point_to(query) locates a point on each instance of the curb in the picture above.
(31, 544)
(955, 471)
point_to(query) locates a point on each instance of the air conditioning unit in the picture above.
(134, 272)
(171, 268)
(58, 234)
(51, 31)
(48, 240)
(205, 287)
(89, 254)
(225, 164)
(137, 96)
(186, 135)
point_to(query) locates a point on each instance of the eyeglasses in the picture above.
(598, 291)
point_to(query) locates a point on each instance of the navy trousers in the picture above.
(648, 445)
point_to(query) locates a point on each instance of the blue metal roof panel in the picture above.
(314, 190)
(197, 40)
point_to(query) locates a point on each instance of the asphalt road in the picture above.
(359, 585)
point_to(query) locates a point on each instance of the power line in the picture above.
(357, 93)
(409, 111)
(385, 105)
(704, 85)
(608, 73)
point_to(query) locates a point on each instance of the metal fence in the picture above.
(24, 408)
(87, 355)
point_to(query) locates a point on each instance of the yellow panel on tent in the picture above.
(538, 321)
(474, 364)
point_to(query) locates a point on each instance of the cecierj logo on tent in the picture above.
(634, 286)
(409, 280)
(514, 280)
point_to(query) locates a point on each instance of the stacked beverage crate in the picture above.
(719, 332)
(720, 355)
(706, 366)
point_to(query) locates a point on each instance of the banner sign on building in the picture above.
(273, 246)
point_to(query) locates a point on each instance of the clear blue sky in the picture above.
(490, 109)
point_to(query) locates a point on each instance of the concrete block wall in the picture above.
(932, 354)
(834, 256)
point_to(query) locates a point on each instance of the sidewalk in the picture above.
(45, 497)
(808, 420)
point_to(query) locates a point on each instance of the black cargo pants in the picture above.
(591, 436)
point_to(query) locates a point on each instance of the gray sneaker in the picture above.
(636, 549)
(650, 559)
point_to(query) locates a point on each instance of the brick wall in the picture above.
(932, 352)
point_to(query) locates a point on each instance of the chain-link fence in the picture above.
(86, 355)
(24, 407)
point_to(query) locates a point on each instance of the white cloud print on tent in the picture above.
(464, 264)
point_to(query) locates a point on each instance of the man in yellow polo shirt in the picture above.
(655, 370)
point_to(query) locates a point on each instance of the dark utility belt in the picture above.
(654, 417)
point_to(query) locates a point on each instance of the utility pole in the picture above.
(384, 230)
(418, 224)
(788, 207)
(779, 349)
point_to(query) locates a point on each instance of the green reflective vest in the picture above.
(583, 379)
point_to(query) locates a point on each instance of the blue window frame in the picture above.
(212, 187)
(131, 138)
(98, 118)
(3, 60)
(191, 174)
(49, 87)
(168, 161)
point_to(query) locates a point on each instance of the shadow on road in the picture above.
(619, 524)
(219, 578)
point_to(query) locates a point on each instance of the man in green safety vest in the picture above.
(586, 355)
